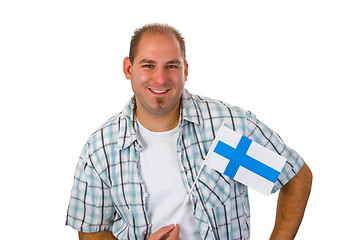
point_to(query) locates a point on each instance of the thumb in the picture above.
(162, 232)
(175, 233)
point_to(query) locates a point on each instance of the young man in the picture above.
(136, 169)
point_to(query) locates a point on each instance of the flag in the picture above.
(244, 160)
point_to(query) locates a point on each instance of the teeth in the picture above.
(157, 91)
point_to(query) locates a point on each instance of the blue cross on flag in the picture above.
(246, 161)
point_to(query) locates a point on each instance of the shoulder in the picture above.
(108, 127)
(105, 135)
(110, 130)
(216, 112)
(206, 103)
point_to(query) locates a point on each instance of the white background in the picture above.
(295, 64)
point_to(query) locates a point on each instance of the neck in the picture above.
(159, 123)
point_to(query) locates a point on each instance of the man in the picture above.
(136, 169)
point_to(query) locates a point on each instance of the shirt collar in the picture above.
(128, 125)
(189, 112)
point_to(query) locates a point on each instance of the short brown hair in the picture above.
(155, 28)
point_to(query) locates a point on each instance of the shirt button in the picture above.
(146, 195)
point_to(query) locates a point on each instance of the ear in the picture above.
(186, 70)
(127, 68)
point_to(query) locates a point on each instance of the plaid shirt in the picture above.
(108, 193)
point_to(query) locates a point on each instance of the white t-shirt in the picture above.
(163, 183)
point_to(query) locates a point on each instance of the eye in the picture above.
(172, 66)
(147, 66)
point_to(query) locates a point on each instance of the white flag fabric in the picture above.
(244, 160)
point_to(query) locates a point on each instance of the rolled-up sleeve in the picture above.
(90, 207)
(265, 136)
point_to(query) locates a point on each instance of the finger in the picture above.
(175, 233)
(159, 234)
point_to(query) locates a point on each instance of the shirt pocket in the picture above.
(230, 221)
(122, 206)
(215, 188)
(121, 229)
(226, 205)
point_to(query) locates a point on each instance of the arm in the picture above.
(291, 205)
(97, 236)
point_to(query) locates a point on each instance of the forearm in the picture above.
(291, 205)
(97, 236)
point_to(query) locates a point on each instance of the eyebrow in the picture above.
(146, 61)
(175, 61)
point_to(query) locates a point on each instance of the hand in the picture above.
(164, 231)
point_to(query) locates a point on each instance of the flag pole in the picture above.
(188, 196)
(196, 179)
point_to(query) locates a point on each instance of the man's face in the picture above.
(158, 75)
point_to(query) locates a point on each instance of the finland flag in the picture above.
(246, 161)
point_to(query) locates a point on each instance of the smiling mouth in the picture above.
(158, 91)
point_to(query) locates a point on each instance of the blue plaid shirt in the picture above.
(108, 193)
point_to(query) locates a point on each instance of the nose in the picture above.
(160, 77)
